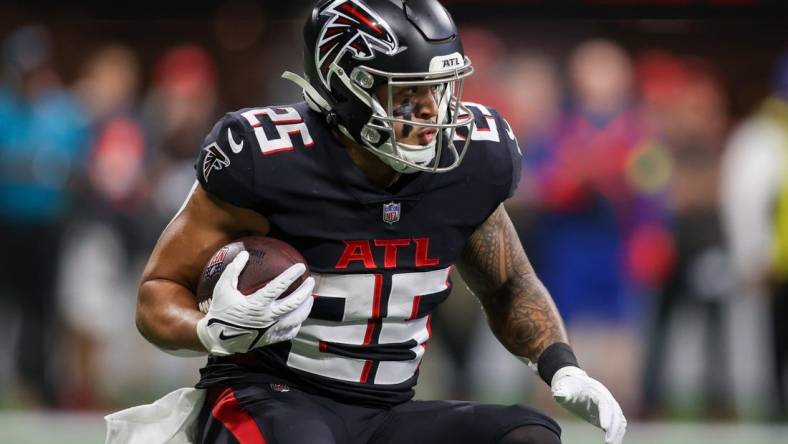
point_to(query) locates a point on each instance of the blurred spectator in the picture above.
(601, 239)
(116, 168)
(535, 96)
(755, 211)
(100, 244)
(178, 112)
(42, 144)
(687, 108)
(488, 55)
(602, 189)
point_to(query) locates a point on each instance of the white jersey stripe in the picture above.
(306, 356)
(395, 372)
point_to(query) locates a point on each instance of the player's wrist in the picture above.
(568, 371)
(204, 335)
(556, 357)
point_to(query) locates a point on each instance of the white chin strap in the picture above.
(418, 154)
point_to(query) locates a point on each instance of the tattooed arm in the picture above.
(519, 309)
(523, 316)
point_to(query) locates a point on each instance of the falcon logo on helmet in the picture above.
(352, 27)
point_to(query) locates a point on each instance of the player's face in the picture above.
(416, 104)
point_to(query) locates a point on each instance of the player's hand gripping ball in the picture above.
(268, 258)
(255, 292)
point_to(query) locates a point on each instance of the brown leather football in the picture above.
(268, 257)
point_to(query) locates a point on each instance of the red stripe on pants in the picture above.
(229, 412)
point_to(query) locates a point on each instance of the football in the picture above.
(268, 257)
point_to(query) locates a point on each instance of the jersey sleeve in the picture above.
(508, 156)
(225, 167)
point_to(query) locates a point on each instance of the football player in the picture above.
(384, 180)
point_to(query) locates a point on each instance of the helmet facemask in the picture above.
(379, 135)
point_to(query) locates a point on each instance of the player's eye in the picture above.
(407, 93)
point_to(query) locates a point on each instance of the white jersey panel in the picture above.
(406, 286)
(402, 331)
(358, 291)
(395, 372)
(315, 330)
(305, 355)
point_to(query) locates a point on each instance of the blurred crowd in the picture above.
(658, 222)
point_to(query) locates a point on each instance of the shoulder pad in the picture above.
(241, 153)
(494, 134)
(225, 167)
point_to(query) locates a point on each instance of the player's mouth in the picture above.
(427, 135)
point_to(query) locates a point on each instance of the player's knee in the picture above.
(531, 434)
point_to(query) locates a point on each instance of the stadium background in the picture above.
(632, 244)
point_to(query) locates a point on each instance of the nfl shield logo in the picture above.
(391, 212)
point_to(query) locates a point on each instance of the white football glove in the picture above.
(236, 323)
(589, 399)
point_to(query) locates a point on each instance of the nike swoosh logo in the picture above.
(259, 331)
(235, 147)
(225, 337)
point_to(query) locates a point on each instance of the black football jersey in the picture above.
(381, 258)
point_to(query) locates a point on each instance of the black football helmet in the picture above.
(353, 47)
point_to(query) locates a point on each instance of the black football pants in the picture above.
(279, 414)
